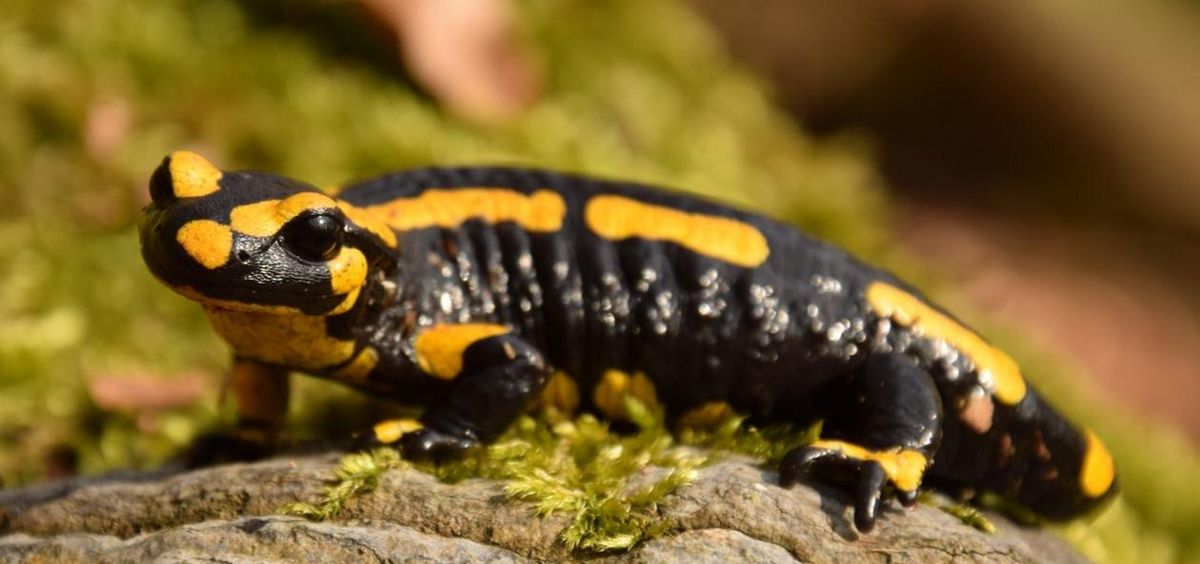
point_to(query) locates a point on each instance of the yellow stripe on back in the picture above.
(992, 363)
(541, 211)
(440, 348)
(736, 242)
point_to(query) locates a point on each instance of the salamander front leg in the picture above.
(878, 438)
(260, 393)
(496, 377)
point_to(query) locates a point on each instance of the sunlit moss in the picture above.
(356, 474)
(580, 468)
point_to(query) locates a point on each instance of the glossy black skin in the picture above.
(790, 340)
(786, 341)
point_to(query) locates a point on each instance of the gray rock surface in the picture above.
(733, 512)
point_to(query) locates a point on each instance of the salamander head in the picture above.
(251, 241)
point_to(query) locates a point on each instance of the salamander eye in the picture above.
(313, 237)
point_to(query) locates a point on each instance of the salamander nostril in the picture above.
(162, 190)
(243, 256)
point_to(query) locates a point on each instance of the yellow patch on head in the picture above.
(257, 219)
(736, 242)
(439, 349)
(370, 222)
(609, 395)
(390, 431)
(299, 203)
(561, 393)
(206, 241)
(193, 176)
(903, 467)
(1097, 473)
(299, 341)
(909, 311)
(707, 416)
(347, 271)
(362, 365)
(541, 211)
(266, 218)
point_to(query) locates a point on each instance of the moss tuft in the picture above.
(355, 475)
(611, 484)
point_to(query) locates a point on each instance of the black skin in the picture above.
(789, 340)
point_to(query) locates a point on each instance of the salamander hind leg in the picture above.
(879, 436)
(496, 376)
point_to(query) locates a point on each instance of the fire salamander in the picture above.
(480, 292)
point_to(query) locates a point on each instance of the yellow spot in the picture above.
(541, 211)
(736, 242)
(903, 467)
(707, 416)
(257, 219)
(908, 310)
(207, 241)
(440, 348)
(299, 341)
(390, 431)
(1097, 473)
(609, 395)
(362, 365)
(299, 203)
(370, 222)
(192, 176)
(561, 393)
(266, 218)
(346, 303)
(348, 273)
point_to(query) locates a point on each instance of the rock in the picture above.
(735, 511)
(256, 539)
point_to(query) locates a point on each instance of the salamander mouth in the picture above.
(262, 302)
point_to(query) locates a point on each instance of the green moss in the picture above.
(355, 475)
(581, 468)
(968, 514)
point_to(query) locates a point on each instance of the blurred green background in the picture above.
(102, 368)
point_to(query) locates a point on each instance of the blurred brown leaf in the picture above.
(108, 123)
(146, 392)
(465, 53)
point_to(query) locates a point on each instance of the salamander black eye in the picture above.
(313, 237)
